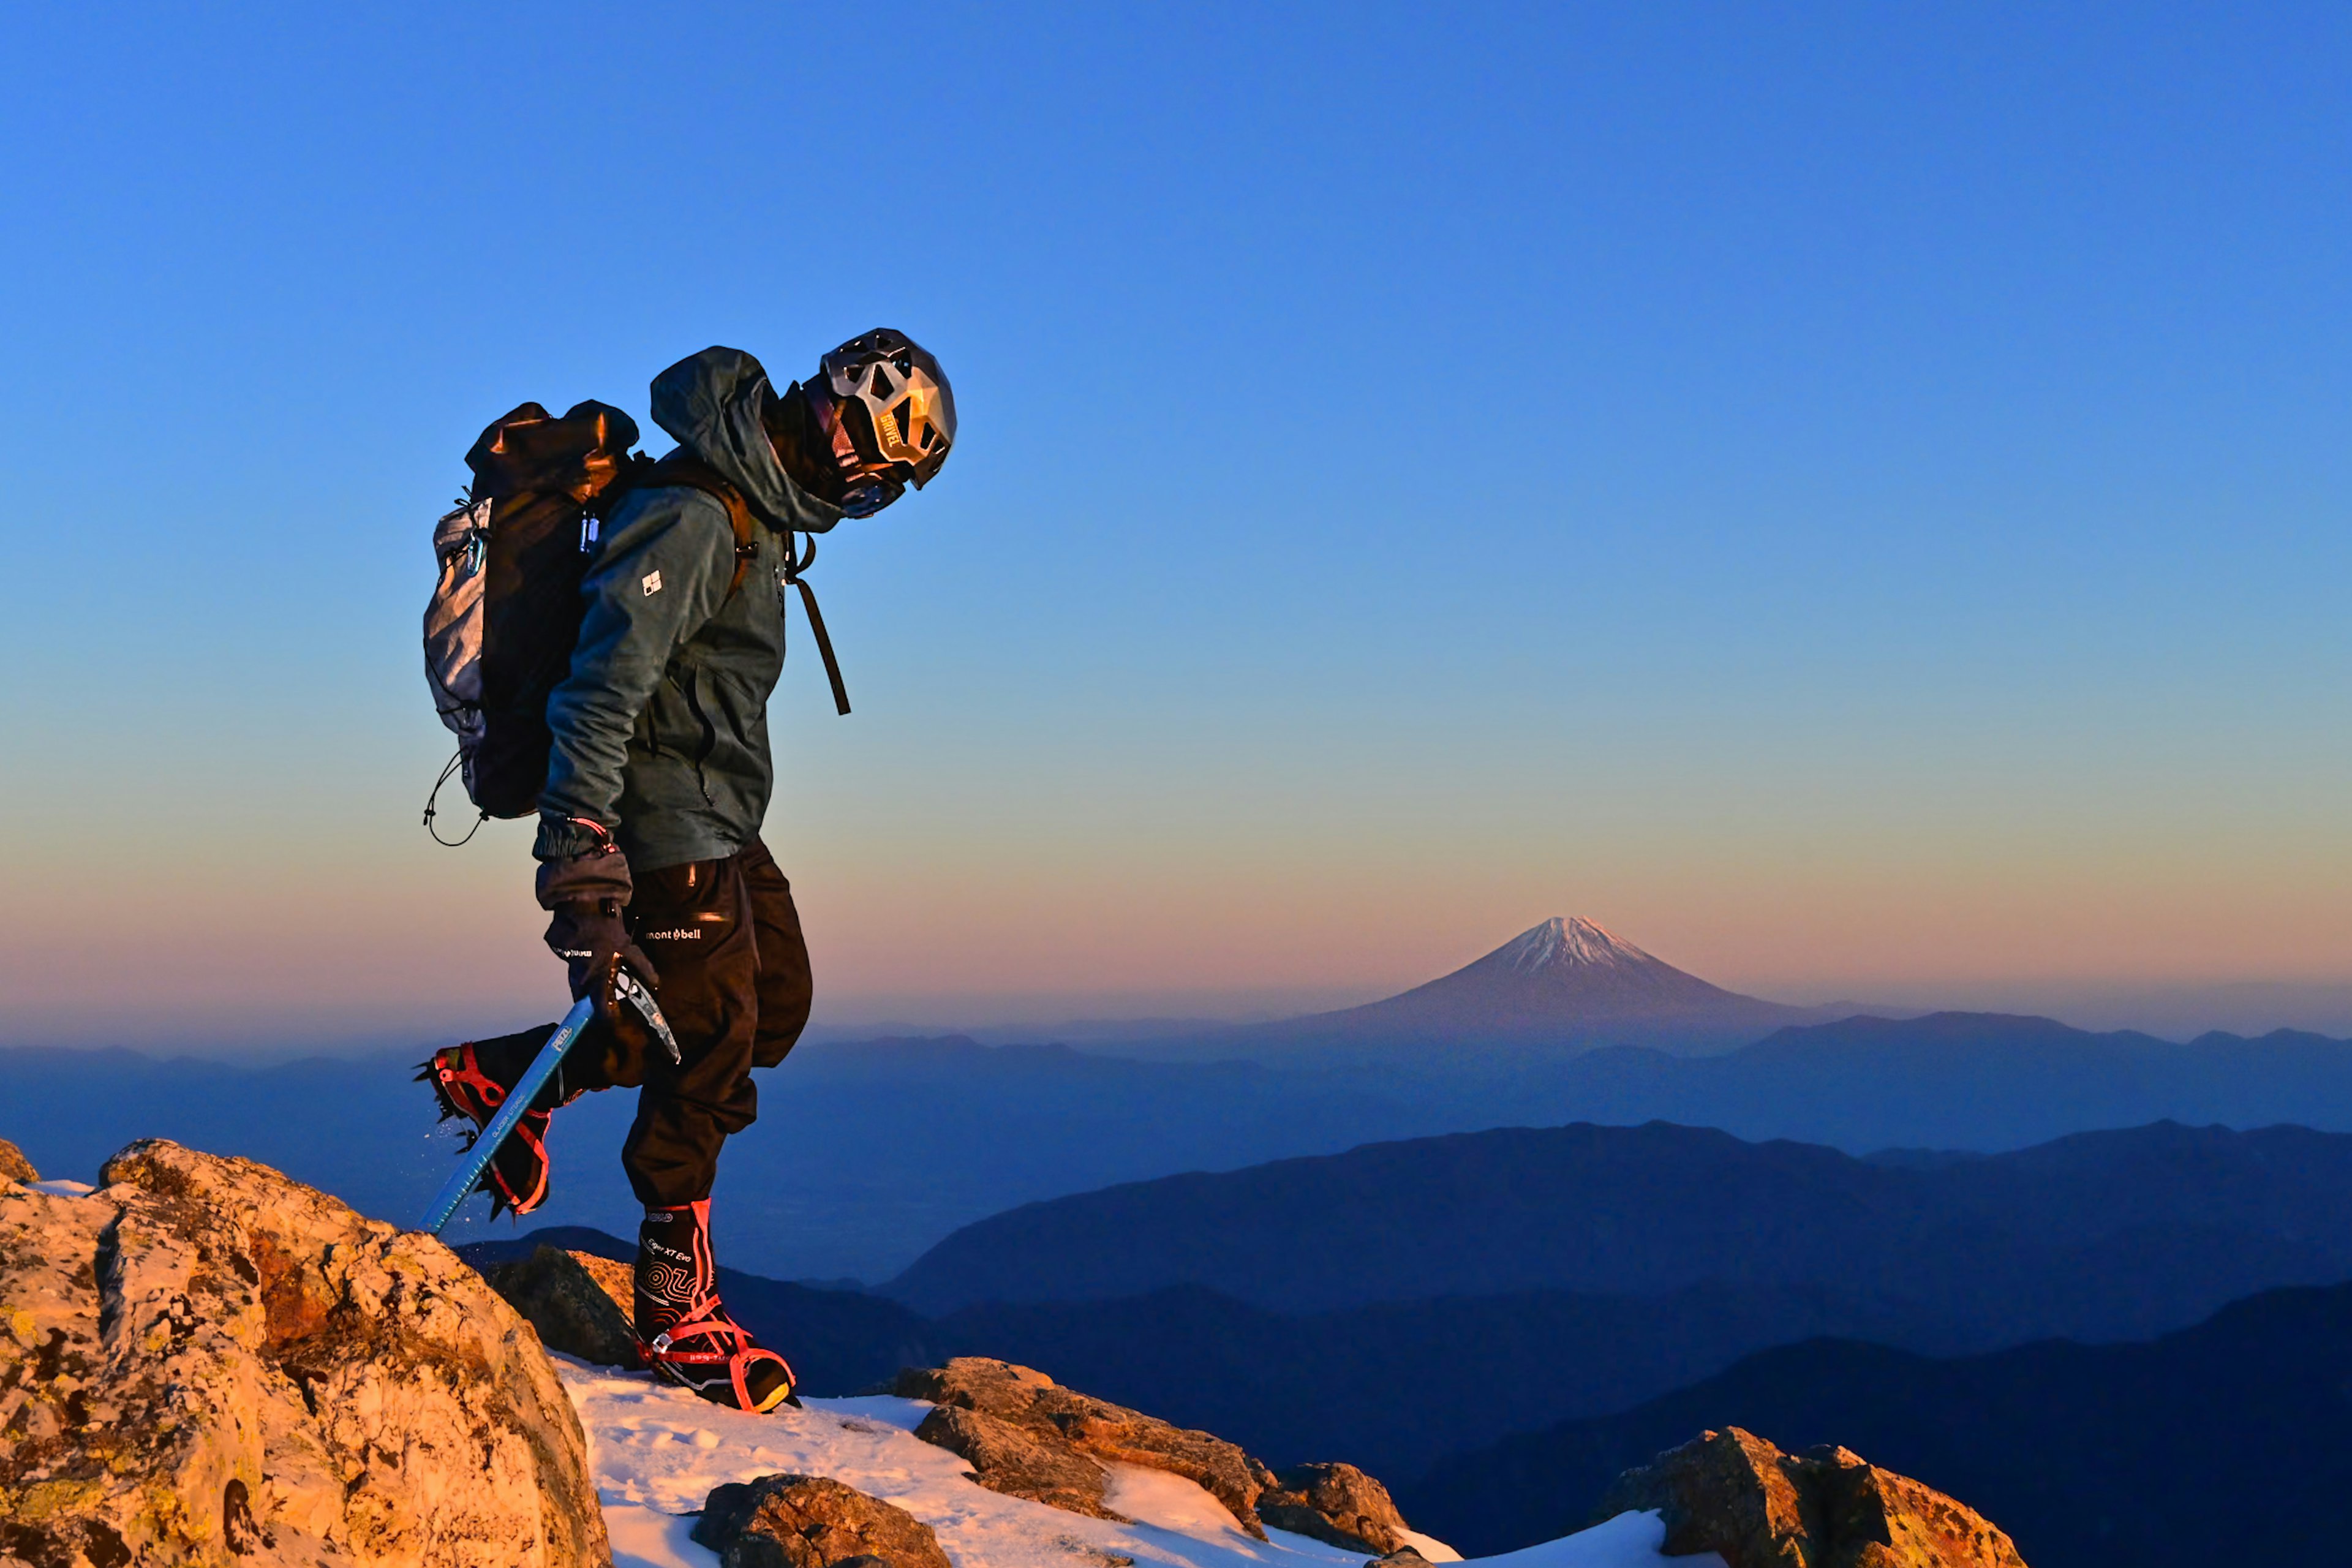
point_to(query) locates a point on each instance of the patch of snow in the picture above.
(1628, 1541)
(644, 1538)
(63, 1189)
(657, 1451)
(1172, 1502)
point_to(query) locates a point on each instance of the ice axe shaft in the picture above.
(511, 1110)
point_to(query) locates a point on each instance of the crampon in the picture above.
(516, 1178)
(683, 1330)
(717, 1358)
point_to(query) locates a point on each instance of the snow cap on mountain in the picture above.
(1568, 940)
(1569, 982)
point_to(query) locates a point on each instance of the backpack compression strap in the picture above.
(682, 468)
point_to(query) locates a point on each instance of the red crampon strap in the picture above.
(735, 1359)
(459, 1077)
(469, 1072)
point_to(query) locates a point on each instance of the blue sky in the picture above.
(1850, 496)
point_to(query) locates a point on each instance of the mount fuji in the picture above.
(1561, 987)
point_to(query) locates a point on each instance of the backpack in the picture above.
(505, 612)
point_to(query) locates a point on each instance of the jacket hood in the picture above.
(710, 402)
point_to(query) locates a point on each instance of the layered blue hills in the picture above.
(866, 1154)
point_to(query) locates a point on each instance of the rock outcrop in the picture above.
(204, 1362)
(1019, 1461)
(1070, 1424)
(1733, 1493)
(579, 1302)
(13, 1167)
(1335, 1504)
(1027, 1436)
(808, 1521)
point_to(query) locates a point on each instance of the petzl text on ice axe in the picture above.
(526, 1089)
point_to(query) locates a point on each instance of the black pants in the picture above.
(735, 988)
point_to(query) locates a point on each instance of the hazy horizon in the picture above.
(2179, 1013)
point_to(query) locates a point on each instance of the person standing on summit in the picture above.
(659, 776)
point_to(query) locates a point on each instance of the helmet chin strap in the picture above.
(865, 500)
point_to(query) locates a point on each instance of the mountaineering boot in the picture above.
(687, 1334)
(471, 1083)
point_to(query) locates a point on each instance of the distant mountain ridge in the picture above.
(2132, 1235)
(2100, 1234)
(1566, 985)
(865, 1154)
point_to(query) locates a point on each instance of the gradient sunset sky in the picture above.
(1852, 498)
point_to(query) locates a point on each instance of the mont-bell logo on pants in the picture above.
(651, 583)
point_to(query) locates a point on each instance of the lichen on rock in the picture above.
(206, 1363)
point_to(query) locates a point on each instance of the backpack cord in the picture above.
(794, 564)
(457, 759)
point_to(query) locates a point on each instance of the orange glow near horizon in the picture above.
(959, 935)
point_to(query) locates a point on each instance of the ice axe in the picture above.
(454, 1191)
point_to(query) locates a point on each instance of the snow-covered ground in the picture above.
(658, 1451)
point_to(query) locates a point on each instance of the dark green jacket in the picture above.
(661, 728)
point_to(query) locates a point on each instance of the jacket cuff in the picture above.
(570, 837)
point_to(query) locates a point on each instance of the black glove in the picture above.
(593, 940)
(586, 895)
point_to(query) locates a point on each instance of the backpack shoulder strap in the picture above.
(682, 468)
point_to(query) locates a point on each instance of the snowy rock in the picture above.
(809, 1522)
(580, 1303)
(204, 1362)
(13, 1167)
(1062, 1418)
(658, 1452)
(1025, 1436)
(1017, 1461)
(1338, 1503)
(1732, 1493)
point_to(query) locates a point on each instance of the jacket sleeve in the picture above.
(661, 575)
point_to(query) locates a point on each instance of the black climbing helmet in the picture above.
(895, 402)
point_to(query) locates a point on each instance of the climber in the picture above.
(658, 778)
